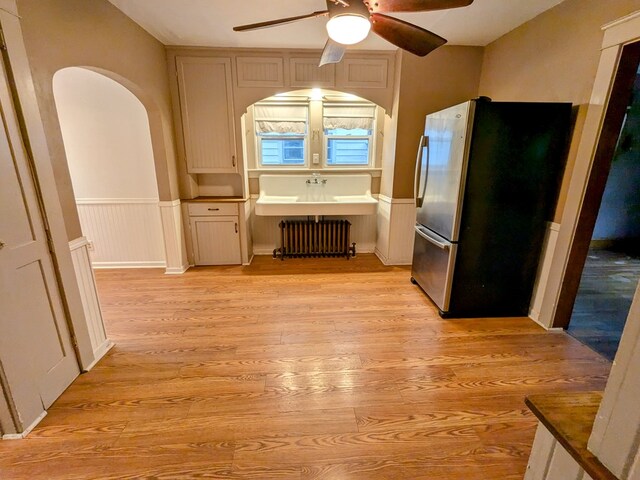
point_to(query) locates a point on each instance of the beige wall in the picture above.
(95, 34)
(554, 57)
(446, 77)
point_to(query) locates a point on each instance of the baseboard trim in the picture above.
(27, 431)
(534, 316)
(263, 251)
(106, 265)
(266, 251)
(177, 270)
(100, 352)
(389, 262)
(381, 257)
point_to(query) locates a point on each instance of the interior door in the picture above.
(36, 350)
(444, 164)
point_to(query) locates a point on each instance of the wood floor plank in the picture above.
(303, 369)
(275, 365)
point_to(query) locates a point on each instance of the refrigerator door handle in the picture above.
(424, 141)
(421, 231)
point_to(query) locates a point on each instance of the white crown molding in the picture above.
(620, 21)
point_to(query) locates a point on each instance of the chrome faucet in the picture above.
(316, 179)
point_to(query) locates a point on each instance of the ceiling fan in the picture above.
(350, 22)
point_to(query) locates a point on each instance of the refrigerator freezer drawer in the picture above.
(433, 264)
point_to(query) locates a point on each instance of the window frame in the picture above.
(305, 150)
(325, 149)
(305, 137)
(371, 137)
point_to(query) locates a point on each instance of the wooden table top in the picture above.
(569, 417)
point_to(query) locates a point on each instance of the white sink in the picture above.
(305, 195)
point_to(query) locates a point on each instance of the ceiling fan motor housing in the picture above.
(356, 7)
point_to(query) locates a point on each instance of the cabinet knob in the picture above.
(2, 244)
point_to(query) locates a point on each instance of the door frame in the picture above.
(562, 275)
(31, 126)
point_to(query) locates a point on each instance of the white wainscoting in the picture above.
(123, 233)
(544, 267)
(396, 221)
(81, 258)
(266, 232)
(174, 239)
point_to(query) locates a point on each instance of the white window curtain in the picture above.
(281, 119)
(348, 117)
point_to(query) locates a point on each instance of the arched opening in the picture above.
(320, 132)
(108, 146)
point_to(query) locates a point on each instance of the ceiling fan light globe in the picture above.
(348, 29)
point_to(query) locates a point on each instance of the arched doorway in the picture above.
(108, 145)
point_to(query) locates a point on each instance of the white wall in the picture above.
(106, 136)
(107, 141)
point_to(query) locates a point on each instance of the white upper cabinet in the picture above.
(206, 104)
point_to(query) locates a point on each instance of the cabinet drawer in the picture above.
(212, 209)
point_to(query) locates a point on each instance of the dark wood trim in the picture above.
(569, 418)
(613, 120)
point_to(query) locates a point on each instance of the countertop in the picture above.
(215, 199)
(569, 417)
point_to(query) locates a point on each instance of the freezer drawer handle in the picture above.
(430, 239)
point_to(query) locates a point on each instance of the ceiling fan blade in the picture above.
(281, 21)
(332, 53)
(405, 35)
(385, 6)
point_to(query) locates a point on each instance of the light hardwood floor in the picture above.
(302, 369)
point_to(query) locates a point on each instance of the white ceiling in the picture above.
(209, 23)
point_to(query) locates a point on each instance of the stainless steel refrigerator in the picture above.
(487, 181)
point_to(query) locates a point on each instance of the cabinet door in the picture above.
(206, 103)
(216, 240)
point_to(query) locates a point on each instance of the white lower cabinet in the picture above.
(215, 237)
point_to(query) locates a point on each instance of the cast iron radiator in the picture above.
(308, 238)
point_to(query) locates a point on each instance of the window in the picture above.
(282, 133)
(280, 149)
(348, 132)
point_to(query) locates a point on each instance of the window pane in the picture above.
(282, 151)
(359, 132)
(348, 151)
